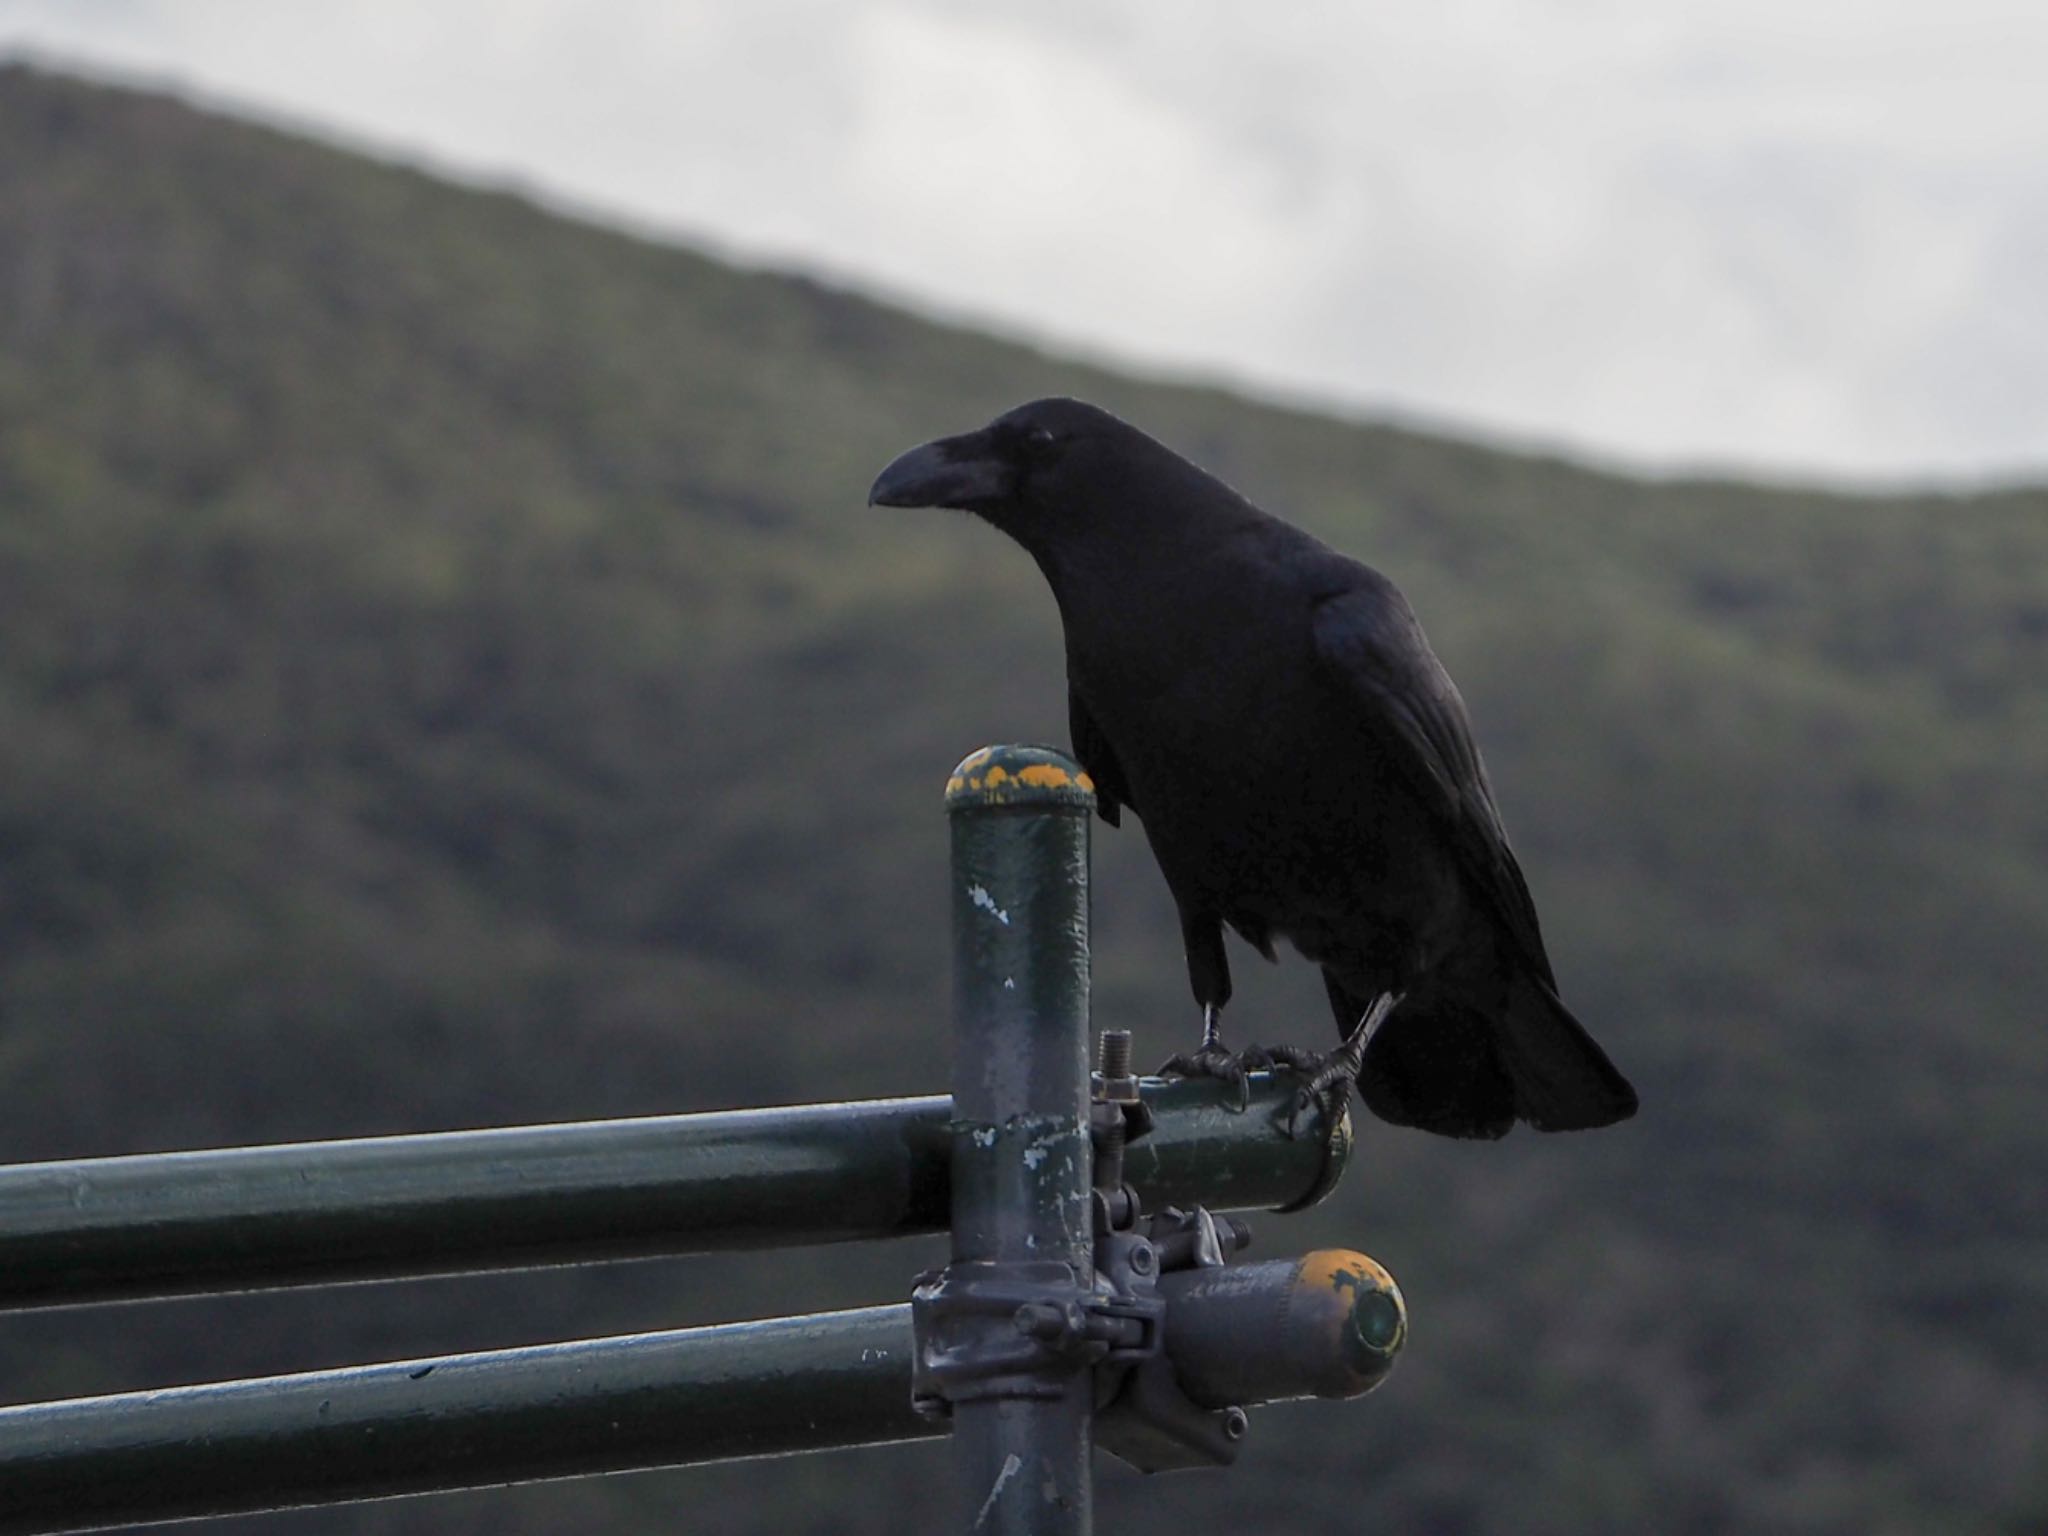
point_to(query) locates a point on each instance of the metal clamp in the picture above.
(1175, 1347)
(1018, 1330)
(1142, 1414)
(1144, 1417)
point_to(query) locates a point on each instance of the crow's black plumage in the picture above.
(1301, 762)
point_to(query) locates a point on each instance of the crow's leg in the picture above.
(1330, 1077)
(1344, 1007)
(1213, 1059)
(1209, 975)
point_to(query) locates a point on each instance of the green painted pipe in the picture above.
(243, 1218)
(1023, 1164)
(1327, 1324)
(464, 1421)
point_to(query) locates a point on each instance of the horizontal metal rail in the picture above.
(1328, 1324)
(246, 1218)
(465, 1421)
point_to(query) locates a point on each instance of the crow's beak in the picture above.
(962, 472)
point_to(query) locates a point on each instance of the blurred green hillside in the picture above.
(448, 676)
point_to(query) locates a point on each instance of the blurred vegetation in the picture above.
(448, 677)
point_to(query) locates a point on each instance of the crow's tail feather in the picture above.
(1441, 1065)
(1431, 1065)
(1563, 1080)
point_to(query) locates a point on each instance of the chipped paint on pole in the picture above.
(1022, 1161)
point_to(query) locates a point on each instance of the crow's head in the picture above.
(1028, 471)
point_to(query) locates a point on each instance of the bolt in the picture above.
(1114, 1083)
(1109, 1153)
(1235, 1423)
(1043, 1320)
(1240, 1234)
(1142, 1258)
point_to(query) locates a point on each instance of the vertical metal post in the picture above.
(1021, 1153)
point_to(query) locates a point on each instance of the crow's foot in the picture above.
(1328, 1089)
(1293, 1057)
(1213, 1059)
(1328, 1078)
(1331, 1077)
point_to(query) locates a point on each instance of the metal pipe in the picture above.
(1022, 1162)
(308, 1213)
(1328, 1324)
(464, 1421)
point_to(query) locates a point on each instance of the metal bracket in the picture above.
(1023, 1330)
(1143, 1416)
(1018, 1330)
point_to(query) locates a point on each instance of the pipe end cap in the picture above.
(1028, 776)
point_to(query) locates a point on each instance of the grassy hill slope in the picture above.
(448, 676)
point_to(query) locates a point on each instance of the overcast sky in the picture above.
(1804, 235)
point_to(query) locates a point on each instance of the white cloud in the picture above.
(1802, 235)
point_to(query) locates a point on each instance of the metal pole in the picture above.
(241, 1218)
(1328, 1324)
(466, 1421)
(1021, 1154)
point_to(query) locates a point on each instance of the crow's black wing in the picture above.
(1368, 641)
(1093, 754)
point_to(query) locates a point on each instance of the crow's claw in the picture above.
(1255, 1058)
(1328, 1090)
(1294, 1057)
(1214, 1060)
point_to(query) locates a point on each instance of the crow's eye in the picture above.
(1039, 437)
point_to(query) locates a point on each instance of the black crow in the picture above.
(1302, 764)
